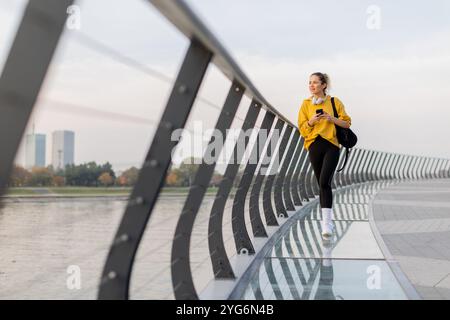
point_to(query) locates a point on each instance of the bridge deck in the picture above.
(353, 265)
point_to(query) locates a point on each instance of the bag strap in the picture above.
(347, 150)
(334, 108)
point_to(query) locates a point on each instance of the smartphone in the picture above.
(319, 111)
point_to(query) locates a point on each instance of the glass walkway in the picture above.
(302, 265)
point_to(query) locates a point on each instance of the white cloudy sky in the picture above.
(393, 81)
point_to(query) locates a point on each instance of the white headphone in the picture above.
(318, 100)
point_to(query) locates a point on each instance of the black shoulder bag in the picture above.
(346, 137)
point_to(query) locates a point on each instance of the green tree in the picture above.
(41, 177)
(87, 174)
(129, 177)
(20, 177)
(105, 179)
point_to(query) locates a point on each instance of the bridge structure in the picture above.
(274, 213)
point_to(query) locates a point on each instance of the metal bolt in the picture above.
(112, 275)
(153, 163)
(123, 238)
(182, 89)
(168, 125)
(237, 89)
(243, 251)
(136, 201)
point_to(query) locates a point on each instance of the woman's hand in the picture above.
(314, 119)
(336, 121)
(327, 117)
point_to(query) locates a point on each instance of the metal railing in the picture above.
(292, 185)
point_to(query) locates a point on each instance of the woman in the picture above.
(319, 132)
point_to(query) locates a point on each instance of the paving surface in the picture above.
(413, 218)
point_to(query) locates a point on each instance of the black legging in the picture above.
(324, 157)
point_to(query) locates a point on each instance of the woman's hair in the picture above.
(324, 78)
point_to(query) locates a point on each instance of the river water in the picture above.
(46, 242)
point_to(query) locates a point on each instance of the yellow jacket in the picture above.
(323, 127)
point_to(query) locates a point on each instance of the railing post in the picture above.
(355, 163)
(419, 167)
(426, 168)
(302, 179)
(337, 175)
(392, 166)
(376, 163)
(241, 237)
(268, 186)
(180, 261)
(442, 169)
(402, 166)
(385, 168)
(447, 169)
(294, 181)
(429, 173)
(407, 166)
(378, 170)
(410, 172)
(361, 164)
(354, 174)
(117, 270)
(255, 214)
(280, 180)
(434, 168)
(293, 159)
(219, 260)
(439, 168)
(308, 180)
(416, 167)
(368, 164)
(424, 165)
(345, 176)
(397, 166)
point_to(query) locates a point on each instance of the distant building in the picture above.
(34, 150)
(63, 143)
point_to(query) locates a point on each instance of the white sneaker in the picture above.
(327, 229)
(327, 222)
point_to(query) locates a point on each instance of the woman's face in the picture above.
(315, 86)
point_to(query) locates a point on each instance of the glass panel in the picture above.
(352, 240)
(327, 279)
